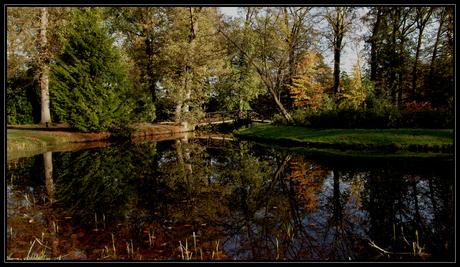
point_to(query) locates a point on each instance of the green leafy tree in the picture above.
(32, 42)
(265, 49)
(90, 85)
(239, 83)
(193, 58)
(143, 31)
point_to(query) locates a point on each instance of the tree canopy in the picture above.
(90, 87)
(110, 66)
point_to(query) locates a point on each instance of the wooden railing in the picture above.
(230, 116)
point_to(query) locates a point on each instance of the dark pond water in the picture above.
(192, 199)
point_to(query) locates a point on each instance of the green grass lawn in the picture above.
(403, 141)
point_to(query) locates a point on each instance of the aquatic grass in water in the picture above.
(417, 250)
(135, 195)
(186, 254)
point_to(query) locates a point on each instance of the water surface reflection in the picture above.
(181, 199)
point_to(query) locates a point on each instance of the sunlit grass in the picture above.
(355, 142)
(353, 136)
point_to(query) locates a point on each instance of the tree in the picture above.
(305, 88)
(30, 51)
(143, 31)
(21, 79)
(422, 18)
(238, 83)
(90, 86)
(402, 26)
(297, 26)
(193, 57)
(340, 21)
(44, 67)
(373, 39)
(390, 42)
(439, 84)
(20, 40)
(269, 50)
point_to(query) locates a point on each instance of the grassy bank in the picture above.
(34, 136)
(356, 142)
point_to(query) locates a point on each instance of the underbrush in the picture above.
(413, 116)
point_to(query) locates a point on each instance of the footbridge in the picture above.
(232, 116)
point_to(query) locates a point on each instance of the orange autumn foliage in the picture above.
(306, 90)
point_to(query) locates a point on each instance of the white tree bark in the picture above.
(45, 68)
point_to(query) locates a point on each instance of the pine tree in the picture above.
(90, 87)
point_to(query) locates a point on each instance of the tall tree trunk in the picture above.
(337, 52)
(178, 113)
(421, 24)
(435, 51)
(394, 59)
(375, 32)
(150, 69)
(44, 68)
(188, 72)
(414, 70)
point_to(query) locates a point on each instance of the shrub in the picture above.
(416, 116)
(279, 119)
(18, 107)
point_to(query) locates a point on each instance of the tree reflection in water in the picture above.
(141, 200)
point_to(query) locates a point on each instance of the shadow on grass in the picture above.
(42, 128)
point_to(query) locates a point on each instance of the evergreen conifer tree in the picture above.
(90, 87)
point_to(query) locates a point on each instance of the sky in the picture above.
(232, 11)
(348, 57)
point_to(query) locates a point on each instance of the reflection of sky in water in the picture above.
(254, 231)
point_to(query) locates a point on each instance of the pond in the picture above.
(203, 199)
